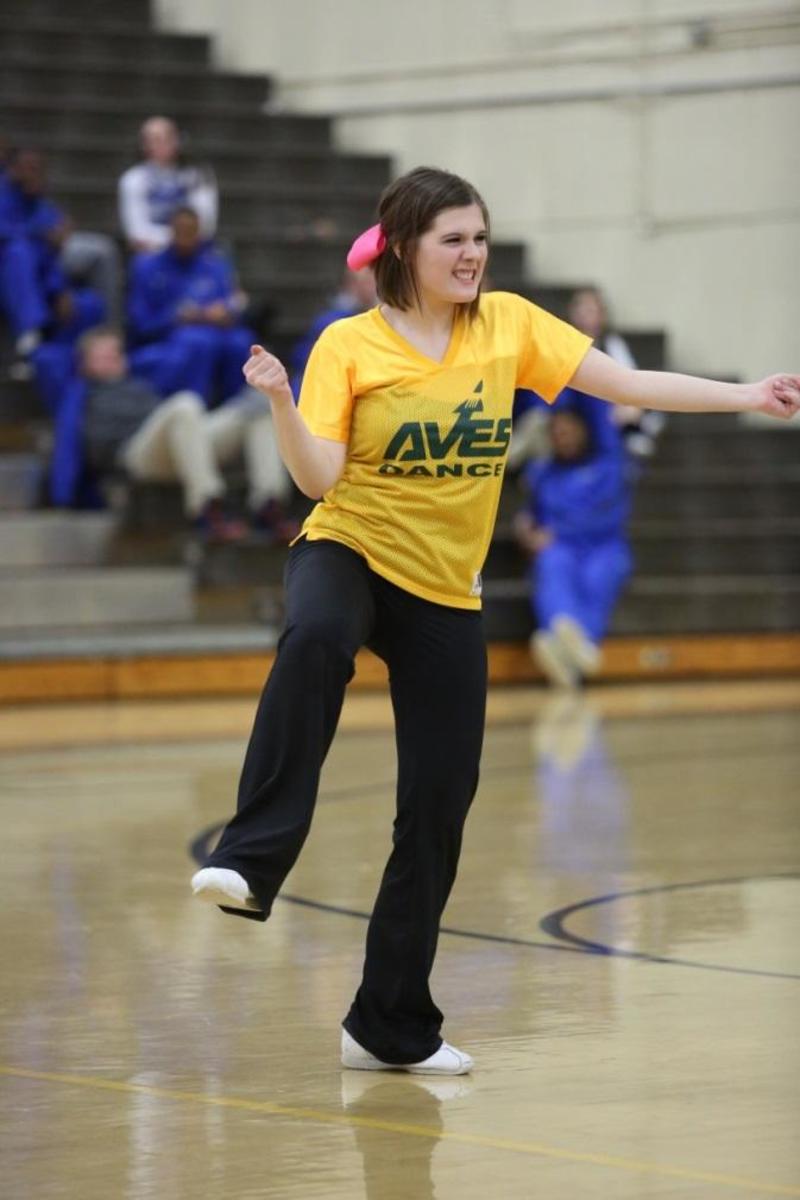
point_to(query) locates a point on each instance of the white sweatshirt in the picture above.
(149, 195)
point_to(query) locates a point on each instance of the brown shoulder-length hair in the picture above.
(407, 209)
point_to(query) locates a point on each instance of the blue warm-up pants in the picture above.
(580, 579)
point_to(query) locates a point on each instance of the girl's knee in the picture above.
(323, 635)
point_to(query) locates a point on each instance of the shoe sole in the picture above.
(215, 895)
(374, 1064)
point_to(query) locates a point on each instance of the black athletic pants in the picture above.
(437, 671)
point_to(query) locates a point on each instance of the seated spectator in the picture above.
(85, 257)
(184, 309)
(151, 192)
(35, 296)
(530, 438)
(111, 420)
(574, 527)
(356, 294)
(588, 312)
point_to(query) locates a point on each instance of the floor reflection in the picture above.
(380, 1104)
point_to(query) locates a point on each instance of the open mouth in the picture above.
(466, 276)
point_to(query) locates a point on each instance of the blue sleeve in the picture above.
(226, 277)
(302, 348)
(524, 400)
(66, 464)
(47, 216)
(151, 314)
(54, 281)
(217, 277)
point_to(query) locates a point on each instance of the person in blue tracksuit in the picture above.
(36, 299)
(574, 527)
(184, 314)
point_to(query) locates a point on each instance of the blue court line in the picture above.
(552, 923)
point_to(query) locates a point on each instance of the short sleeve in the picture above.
(550, 351)
(326, 397)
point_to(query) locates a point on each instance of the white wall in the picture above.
(640, 143)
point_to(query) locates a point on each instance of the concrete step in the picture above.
(60, 41)
(21, 484)
(684, 551)
(81, 13)
(153, 641)
(145, 81)
(260, 256)
(273, 208)
(52, 539)
(20, 437)
(251, 562)
(737, 446)
(693, 499)
(52, 599)
(721, 474)
(668, 604)
(44, 117)
(233, 162)
(20, 402)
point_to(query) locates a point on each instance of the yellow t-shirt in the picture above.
(427, 441)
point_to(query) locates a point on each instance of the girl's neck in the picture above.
(425, 320)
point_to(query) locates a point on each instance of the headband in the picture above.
(366, 248)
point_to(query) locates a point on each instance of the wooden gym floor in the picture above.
(620, 955)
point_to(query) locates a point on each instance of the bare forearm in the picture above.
(310, 462)
(670, 392)
(662, 390)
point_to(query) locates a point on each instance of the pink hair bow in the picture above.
(366, 248)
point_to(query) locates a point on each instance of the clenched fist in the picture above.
(267, 374)
(778, 396)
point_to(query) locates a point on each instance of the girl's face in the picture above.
(451, 256)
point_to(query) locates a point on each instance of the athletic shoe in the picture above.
(219, 885)
(446, 1061)
(213, 524)
(577, 645)
(272, 521)
(550, 654)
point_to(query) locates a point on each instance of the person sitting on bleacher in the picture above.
(184, 308)
(574, 528)
(36, 297)
(356, 294)
(112, 420)
(588, 311)
(151, 192)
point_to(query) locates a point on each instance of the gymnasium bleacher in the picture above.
(114, 602)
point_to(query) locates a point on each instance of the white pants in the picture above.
(182, 441)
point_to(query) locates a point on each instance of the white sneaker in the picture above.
(577, 645)
(219, 885)
(549, 653)
(446, 1061)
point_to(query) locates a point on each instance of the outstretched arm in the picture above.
(314, 463)
(599, 375)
